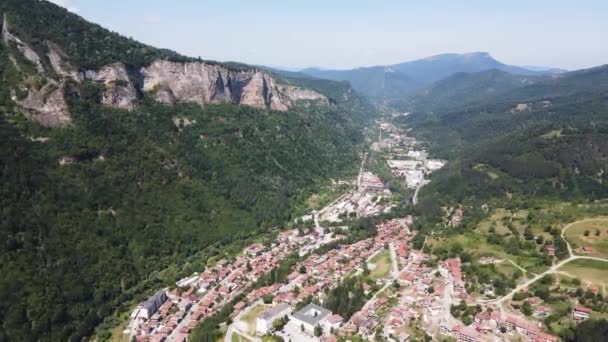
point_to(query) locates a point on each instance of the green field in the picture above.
(476, 244)
(250, 318)
(589, 272)
(382, 262)
(592, 233)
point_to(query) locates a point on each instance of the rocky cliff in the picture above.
(167, 81)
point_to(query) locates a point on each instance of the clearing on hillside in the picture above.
(589, 237)
(590, 272)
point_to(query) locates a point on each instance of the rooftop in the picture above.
(312, 314)
(275, 310)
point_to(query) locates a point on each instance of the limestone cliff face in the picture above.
(169, 82)
(204, 83)
(47, 105)
(25, 49)
(120, 91)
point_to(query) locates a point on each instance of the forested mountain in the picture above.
(546, 138)
(394, 82)
(377, 83)
(463, 89)
(119, 161)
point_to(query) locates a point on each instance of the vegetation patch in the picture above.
(590, 233)
(382, 265)
(592, 272)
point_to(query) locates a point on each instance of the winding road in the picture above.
(553, 269)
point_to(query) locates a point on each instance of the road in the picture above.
(232, 328)
(553, 269)
(516, 265)
(415, 198)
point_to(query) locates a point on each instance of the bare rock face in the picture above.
(47, 106)
(187, 82)
(303, 94)
(169, 82)
(120, 92)
(59, 64)
(204, 83)
(25, 49)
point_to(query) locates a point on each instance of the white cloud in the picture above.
(152, 19)
(67, 4)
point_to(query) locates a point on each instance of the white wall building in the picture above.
(264, 322)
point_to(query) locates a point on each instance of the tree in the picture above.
(528, 234)
(318, 331)
(586, 233)
(526, 308)
(302, 269)
(589, 331)
(267, 298)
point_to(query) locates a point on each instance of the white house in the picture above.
(264, 322)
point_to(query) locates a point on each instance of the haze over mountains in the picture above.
(391, 82)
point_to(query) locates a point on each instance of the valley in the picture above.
(151, 196)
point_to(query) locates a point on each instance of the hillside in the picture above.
(126, 166)
(463, 89)
(394, 82)
(547, 138)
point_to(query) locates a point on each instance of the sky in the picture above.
(344, 34)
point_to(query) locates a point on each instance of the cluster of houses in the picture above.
(364, 203)
(488, 322)
(173, 314)
(312, 276)
(371, 183)
(414, 170)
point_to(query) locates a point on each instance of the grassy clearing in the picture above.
(477, 245)
(556, 133)
(488, 170)
(236, 337)
(382, 262)
(591, 272)
(592, 233)
(250, 318)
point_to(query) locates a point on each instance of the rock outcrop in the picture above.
(168, 81)
(25, 49)
(47, 105)
(120, 91)
(204, 83)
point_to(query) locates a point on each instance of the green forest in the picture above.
(97, 214)
(554, 147)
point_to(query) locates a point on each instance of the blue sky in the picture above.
(349, 33)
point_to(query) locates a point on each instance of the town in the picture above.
(392, 291)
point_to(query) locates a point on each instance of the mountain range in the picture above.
(125, 166)
(393, 82)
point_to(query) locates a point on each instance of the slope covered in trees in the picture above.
(118, 202)
(546, 139)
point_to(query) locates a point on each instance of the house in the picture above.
(334, 321)
(581, 313)
(310, 316)
(465, 334)
(543, 337)
(550, 250)
(264, 322)
(588, 249)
